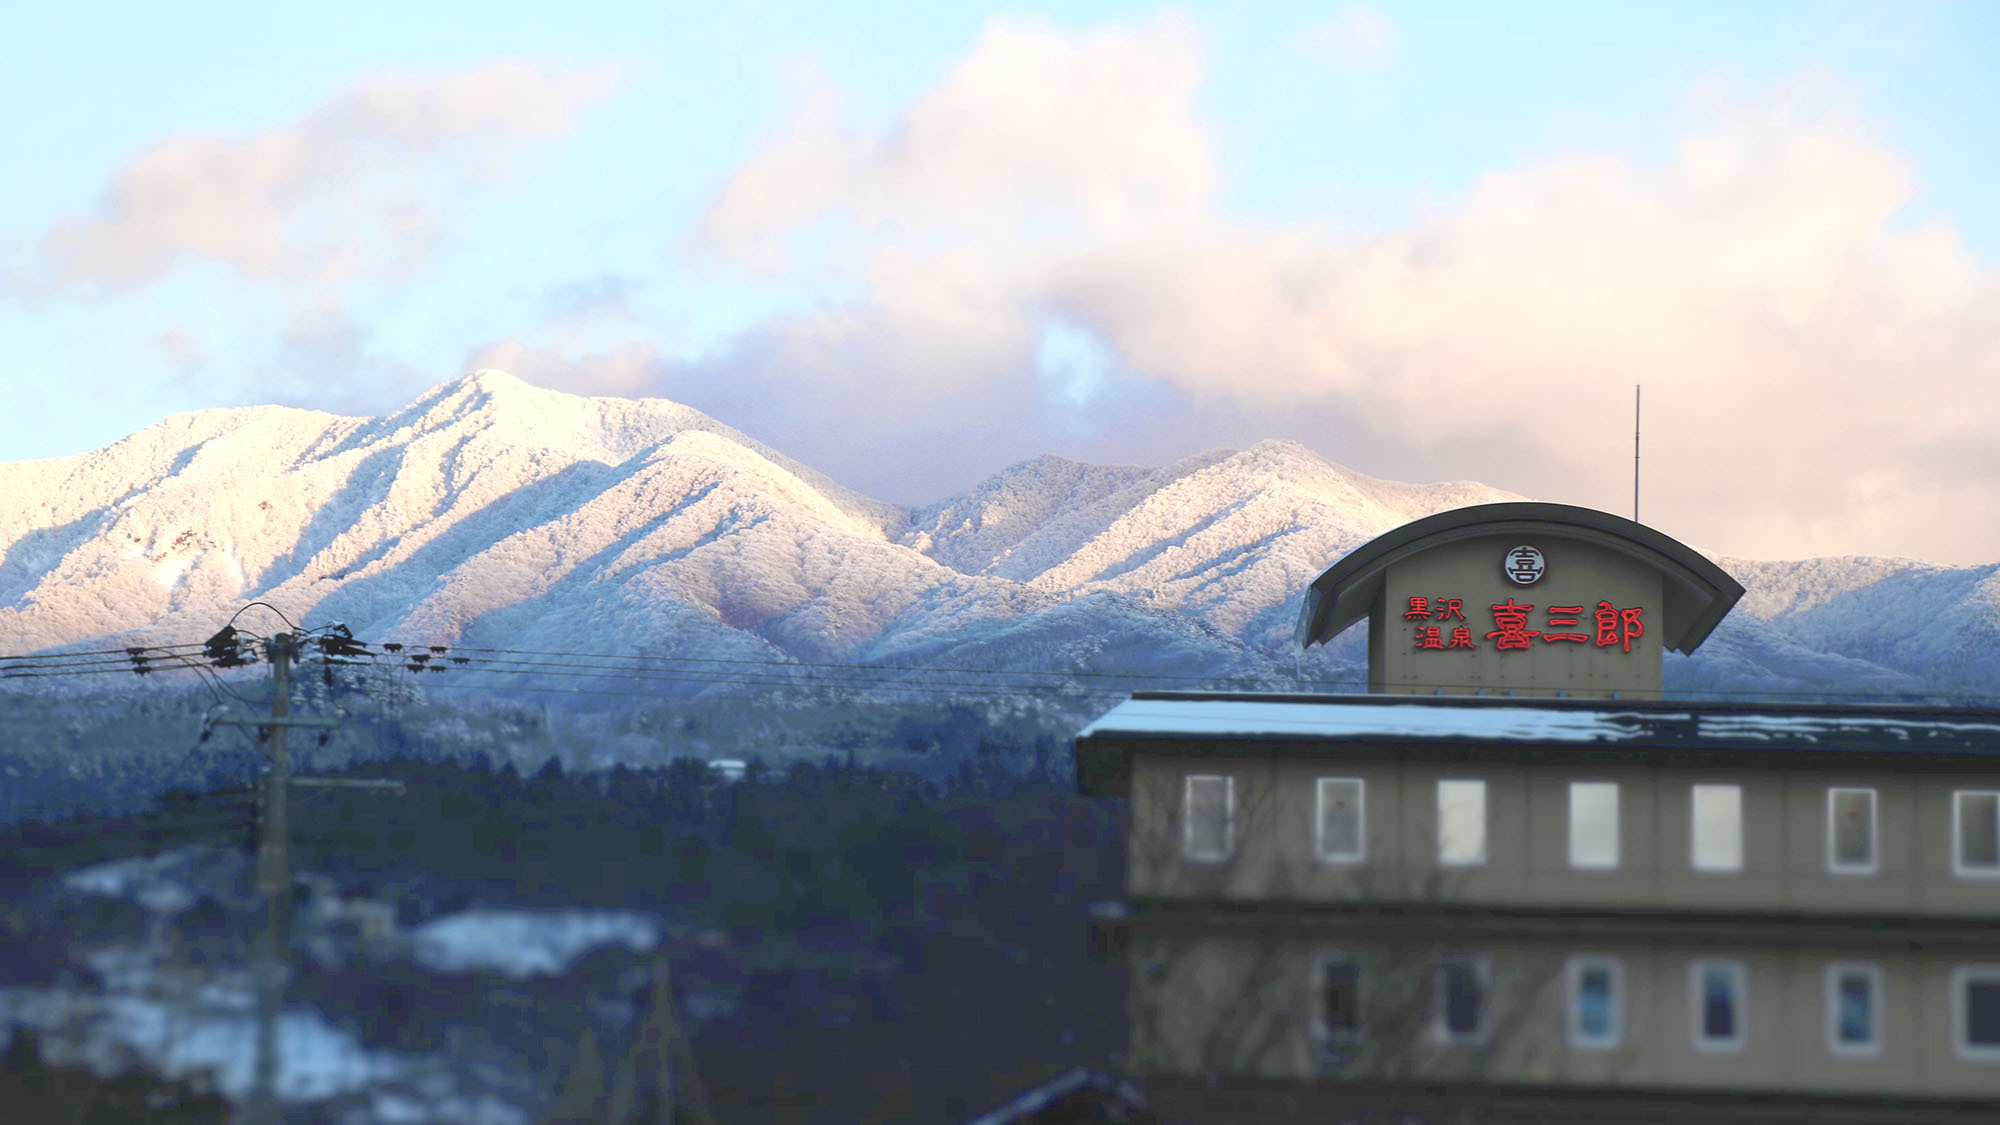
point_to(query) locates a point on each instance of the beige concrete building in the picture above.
(1465, 897)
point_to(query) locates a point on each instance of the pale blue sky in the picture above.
(911, 303)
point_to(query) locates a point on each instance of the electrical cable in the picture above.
(266, 605)
(703, 675)
(968, 669)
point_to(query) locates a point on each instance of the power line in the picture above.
(968, 669)
(864, 676)
(820, 674)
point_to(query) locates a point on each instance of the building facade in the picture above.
(1511, 883)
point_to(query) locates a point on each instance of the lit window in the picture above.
(1461, 823)
(1720, 1014)
(1208, 817)
(1716, 827)
(1975, 820)
(1595, 987)
(1342, 827)
(1850, 831)
(1337, 990)
(1853, 1009)
(1458, 1000)
(1975, 995)
(1593, 824)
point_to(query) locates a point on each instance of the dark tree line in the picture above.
(972, 876)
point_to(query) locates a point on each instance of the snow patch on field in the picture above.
(112, 1033)
(525, 944)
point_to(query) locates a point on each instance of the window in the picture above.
(1458, 1000)
(1342, 826)
(1975, 832)
(1337, 998)
(1208, 817)
(1715, 830)
(1596, 988)
(1461, 823)
(1593, 824)
(1975, 1017)
(1720, 994)
(1850, 831)
(1853, 1009)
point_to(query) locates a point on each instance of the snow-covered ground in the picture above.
(525, 944)
(185, 1037)
(151, 1007)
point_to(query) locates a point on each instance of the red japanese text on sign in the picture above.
(1615, 627)
(1564, 617)
(1618, 626)
(1510, 623)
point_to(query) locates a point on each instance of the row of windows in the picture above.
(1718, 999)
(1715, 828)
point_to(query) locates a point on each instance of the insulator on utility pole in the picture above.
(225, 648)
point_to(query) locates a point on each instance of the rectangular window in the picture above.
(1337, 989)
(1461, 823)
(1208, 817)
(1458, 1000)
(1975, 1017)
(1850, 831)
(1854, 1009)
(1593, 824)
(1596, 985)
(1975, 832)
(1720, 1003)
(1716, 827)
(1342, 825)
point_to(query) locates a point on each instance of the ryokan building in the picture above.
(1513, 882)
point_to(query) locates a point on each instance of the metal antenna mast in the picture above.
(1635, 453)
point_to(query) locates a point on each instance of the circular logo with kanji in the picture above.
(1523, 566)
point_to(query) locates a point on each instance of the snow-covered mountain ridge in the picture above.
(495, 513)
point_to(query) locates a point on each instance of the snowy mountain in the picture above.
(1229, 538)
(492, 513)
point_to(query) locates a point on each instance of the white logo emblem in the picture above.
(1523, 565)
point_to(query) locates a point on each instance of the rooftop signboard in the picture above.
(1520, 599)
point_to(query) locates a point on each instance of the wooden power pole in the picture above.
(274, 871)
(274, 881)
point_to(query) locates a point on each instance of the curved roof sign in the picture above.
(1698, 593)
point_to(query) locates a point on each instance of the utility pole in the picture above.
(274, 877)
(274, 881)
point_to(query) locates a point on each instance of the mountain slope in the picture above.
(1229, 537)
(412, 521)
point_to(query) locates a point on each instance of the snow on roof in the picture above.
(1267, 718)
(1116, 1098)
(1406, 719)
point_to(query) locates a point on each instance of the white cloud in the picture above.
(1356, 37)
(1817, 369)
(327, 198)
(1035, 132)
